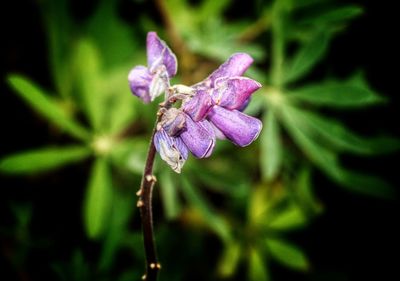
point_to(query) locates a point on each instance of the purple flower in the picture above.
(149, 82)
(179, 128)
(222, 96)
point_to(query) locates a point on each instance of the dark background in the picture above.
(355, 238)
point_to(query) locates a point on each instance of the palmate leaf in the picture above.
(287, 254)
(338, 94)
(290, 218)
(46, 106)
(309, 54)
(327, 160)
(271, 147)
(332, 16)
(99, 198)
(229, 260)
(44, 159)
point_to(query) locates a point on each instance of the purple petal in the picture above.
(218, 134)
(236, 65)
(238, 127)
(159, 54)
(198, 106)
(139, 81)
(199, 137)
(172, 150)
(232, 93)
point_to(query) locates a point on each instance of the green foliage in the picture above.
(287, 254)
(40, 160)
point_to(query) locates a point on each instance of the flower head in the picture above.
(210, 109)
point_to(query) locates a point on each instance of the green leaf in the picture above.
(99, 198)
(169, 194)
(213, 219)
(257, 267)
(327, 160)
(40, 160)
(291, 217)
(333, 16)
(229, 260)
(271, 147)
(308, 56)
(89, 81)
(47, 107)
(122, 211)
(335, 134)
(304, 191)
(287, 254)
(338, 94)
(130, 154)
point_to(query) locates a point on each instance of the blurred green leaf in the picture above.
(40, 160)
(47, 107)
(99, 198)
(229, 260)
(122, 210)
(213, 219)
(327, 160)
(112, 35)
(310, 54)
(271, 147)
(342, 138)
(59, 30)
(287, 254)
(89, 79)
(291, 217)
(257, 267)
(169, 193)
(130, 154)
(332, 16)
(211, 9)
(340, 94)
(304, 191)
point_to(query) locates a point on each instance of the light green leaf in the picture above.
(257, 267)
(308, 56)
(99, 198)
(271, 147)
(44, 159)
(304, 191)
(213, 219)
(287, 254)
(211, 9)
(291, 217)
(130, 154)
(89, 78)
(338, 94)
(169, 193)
(229, 260)
(335, 134)
(46, 106)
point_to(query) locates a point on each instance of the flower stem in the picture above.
(145, 205)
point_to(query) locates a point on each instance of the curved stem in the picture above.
(145, 205)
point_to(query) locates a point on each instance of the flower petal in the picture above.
(238, 127)
(139, 81)
(236, 65)
(232, 93)
(199, 137)
(198, 106)
(172, 150)
(158, 53)
(173, 121)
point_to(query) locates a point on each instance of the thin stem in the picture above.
(145, 205)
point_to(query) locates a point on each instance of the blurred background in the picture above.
(314, 198)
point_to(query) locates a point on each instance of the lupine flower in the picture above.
(210, 109)
(149, 82)
(222, 96)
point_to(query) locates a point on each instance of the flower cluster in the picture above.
(209, 110)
